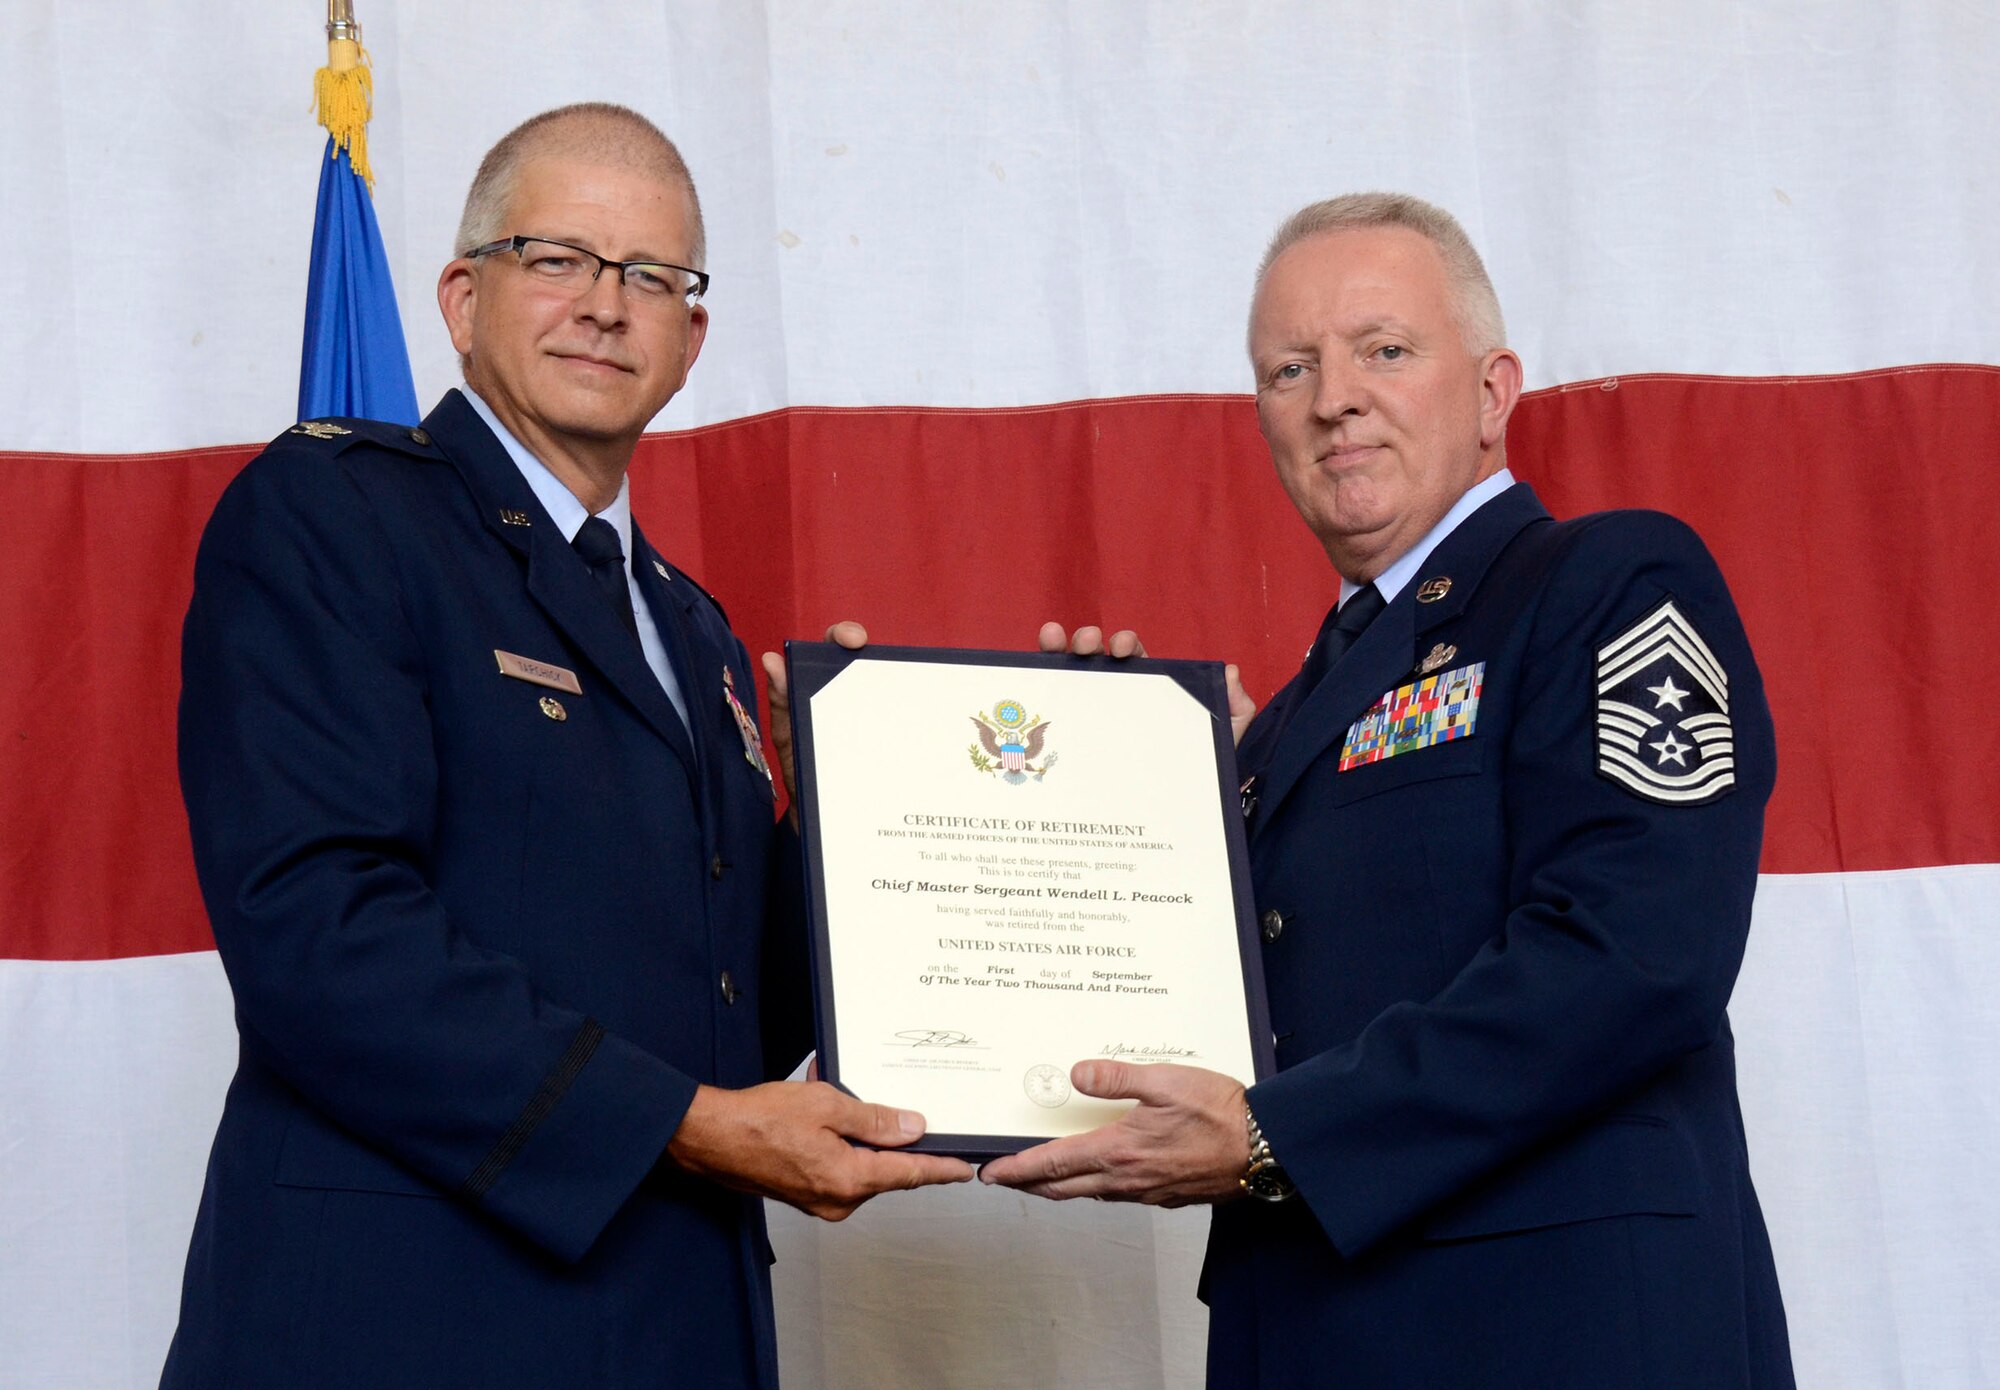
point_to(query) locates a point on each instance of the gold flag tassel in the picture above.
(344, 91)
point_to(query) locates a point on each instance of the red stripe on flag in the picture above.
(1853, 518)
(1843, 510)
(94, 858)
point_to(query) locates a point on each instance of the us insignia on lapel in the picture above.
(753, 742)
(1437, 709)
(1663, 728)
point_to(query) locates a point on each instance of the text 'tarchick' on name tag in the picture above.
(523, 668)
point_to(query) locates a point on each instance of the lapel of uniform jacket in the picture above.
(1386, 654)
(557, 579)
(694, 659)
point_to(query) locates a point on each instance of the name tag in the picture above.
(1441, 709)
(534, 672)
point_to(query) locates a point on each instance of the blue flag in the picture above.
(355, 360)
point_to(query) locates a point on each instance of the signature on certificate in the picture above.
(1148, 1052)
(933, 1037)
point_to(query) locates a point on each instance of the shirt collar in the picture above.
(557, 500)
(1390, 582)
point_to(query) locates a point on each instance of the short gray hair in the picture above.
(590, 132)
(1473, 303)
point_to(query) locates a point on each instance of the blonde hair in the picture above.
(1474, 305)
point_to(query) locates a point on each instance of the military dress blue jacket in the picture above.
(1503, 859)
(485, 936)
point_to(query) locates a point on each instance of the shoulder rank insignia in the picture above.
(1663, 727)
(753, 742)
(319, 429)
(1437, 709)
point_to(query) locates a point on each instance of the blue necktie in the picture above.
(597, 542)
(1344, 623)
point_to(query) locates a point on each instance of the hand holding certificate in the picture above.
(1018, 862)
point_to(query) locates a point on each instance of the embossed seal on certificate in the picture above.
(1012, 741)
(1046, 1085)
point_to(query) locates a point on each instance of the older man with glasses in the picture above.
(483, 818)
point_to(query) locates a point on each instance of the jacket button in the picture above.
(715, 867)
(1273, 922)
(420, 437)
(730, 993)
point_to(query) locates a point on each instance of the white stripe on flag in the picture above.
(111, 1081)
(1869, 1048)
(1868, 1053)
(1003, 205)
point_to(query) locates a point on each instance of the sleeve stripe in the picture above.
(558, 1080)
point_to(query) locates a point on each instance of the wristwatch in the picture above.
(1264, 1177)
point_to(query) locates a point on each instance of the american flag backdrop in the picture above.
(976, 360)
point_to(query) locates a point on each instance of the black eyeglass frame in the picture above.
(518, 243)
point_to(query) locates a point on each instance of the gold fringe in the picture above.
(343, 97)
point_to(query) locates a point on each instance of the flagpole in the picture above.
(354, 362)
(340, 25)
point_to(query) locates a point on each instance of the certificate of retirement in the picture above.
(1017, 862)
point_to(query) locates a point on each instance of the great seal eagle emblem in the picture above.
(1010, 739)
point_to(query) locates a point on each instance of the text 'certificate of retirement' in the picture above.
(1018, 862)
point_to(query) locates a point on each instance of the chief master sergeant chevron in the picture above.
(1504, 831)
(483, 821)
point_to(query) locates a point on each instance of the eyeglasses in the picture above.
(564, 267)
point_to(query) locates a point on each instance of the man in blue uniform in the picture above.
(483, 820)
(1504, 831)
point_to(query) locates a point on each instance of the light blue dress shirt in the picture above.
(1391, 581)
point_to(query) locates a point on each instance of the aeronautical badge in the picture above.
(1437, 709)
(753, 742)
(320, 429)
(1009, 743)
(1663, 727)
